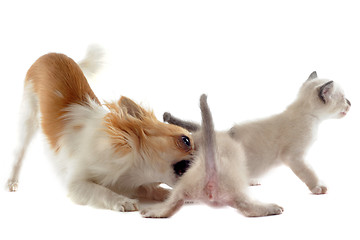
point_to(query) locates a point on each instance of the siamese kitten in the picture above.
(216, 175)
(286, 137)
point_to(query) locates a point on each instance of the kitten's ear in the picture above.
(312, 76)
(324, 91)
(132, 108)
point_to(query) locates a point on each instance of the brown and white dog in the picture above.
(108, 155)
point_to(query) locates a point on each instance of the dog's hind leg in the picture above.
(28, 124)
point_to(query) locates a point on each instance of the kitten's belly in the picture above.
(260, 165)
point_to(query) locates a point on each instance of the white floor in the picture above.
(41, 210)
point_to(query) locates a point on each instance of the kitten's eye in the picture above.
(186, 140)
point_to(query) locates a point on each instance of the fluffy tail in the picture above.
(209, 148)
(93, 61)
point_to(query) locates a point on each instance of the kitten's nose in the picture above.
(348, 102)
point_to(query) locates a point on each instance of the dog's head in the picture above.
(325, 98)
(163, 149)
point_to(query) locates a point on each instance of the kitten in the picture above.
(216, 175)
(286, 137)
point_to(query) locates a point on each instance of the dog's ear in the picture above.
(325, 91)
(132, 108)
(312, 76)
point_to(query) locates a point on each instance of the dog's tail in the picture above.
(93, 61)
(209, 148)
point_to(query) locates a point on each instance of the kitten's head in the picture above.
(325, 98)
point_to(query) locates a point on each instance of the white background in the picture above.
(250, 57)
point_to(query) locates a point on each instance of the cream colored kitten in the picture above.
(286, 137)
(216, 175)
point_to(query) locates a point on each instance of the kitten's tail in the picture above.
(190, 126)
(209, 140)
(93, 61)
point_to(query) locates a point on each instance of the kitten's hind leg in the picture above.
(163, 210)
(28, 124)
(253, 208)
(170, 206)
(190, 126)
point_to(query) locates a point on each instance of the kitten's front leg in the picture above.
(307, 175)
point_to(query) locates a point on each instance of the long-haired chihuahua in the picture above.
(109, 155)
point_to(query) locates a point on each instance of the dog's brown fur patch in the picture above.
(132, 127)
(58, 82)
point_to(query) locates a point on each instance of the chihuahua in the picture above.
(108, 155)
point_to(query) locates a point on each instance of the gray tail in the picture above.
(190, 126)
(208, 135)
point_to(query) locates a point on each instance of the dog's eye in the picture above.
(186, 140)
(181, 167)
(184, 143)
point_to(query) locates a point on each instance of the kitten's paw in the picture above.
(264, 210)
(126, 205)
(319, 190)
(162, 210)
(13, 186)
(274, 209)
(155, 212)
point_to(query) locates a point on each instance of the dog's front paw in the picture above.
(126, 205)
(320, 189)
